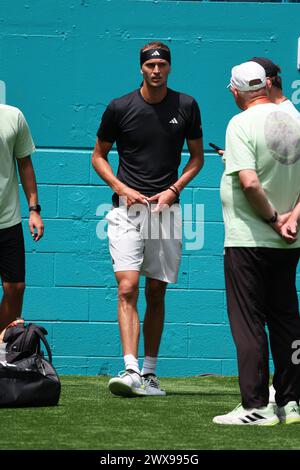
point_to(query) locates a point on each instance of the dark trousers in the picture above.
(261, 290)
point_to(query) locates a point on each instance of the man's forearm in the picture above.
(104, 170)
(194, 164)
(255, 194)
(295, 215)
(259, 202)
(189, 172)
(28, 181)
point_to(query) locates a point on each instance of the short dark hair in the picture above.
(272, 70)
(276, 81)
(155, 45)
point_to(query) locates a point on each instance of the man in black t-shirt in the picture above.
(149, 127)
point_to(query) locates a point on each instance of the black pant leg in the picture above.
(284, 323)
(245, 289)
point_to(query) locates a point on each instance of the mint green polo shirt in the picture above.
(266, 139)
(15, 142)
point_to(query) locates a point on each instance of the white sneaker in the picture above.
(127, 384)
(272, 395)
(151, 385)
(289, 414)
(264, 416)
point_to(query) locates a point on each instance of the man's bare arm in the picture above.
(102, 167)
(295, 215)
(104, 170)
(27, 177)
(194, 165)
(290, 229)
(258, 200)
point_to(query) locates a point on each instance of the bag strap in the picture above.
(39, 330)
(12, 333)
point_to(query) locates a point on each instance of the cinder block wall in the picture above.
(61, 65)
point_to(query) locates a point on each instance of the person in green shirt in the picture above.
(16, 146)
(260, 191)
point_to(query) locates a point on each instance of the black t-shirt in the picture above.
(150, 137)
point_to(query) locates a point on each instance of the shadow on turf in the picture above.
(187, 393)
(211, 394)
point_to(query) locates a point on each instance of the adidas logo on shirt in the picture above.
(173, 121)
(155, 53)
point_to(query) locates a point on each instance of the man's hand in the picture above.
(281, 220)
(286, 227)
(131, 196)
(289, 231)
(164, 198)
(36, 225)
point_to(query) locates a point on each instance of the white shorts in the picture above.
(140, 240)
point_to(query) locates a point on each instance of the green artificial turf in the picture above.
(89, 417)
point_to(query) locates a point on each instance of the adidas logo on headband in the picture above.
(150, 54)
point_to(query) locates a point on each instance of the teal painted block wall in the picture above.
(61, 65)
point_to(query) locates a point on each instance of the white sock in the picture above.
(131, 362)
(2, 351)
(149, 365)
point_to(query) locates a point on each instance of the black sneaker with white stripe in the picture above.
(264, 416)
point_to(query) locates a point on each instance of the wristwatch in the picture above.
(36, 208)
(273, 219)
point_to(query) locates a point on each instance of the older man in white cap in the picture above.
(275, 91)
(260, 188)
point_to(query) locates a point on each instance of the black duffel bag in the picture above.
(26, 377)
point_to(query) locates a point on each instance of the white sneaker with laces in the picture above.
(289, 414)
(151, 385)
(264, 416)
(127, 384)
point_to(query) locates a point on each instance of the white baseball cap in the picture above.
(248, 76)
